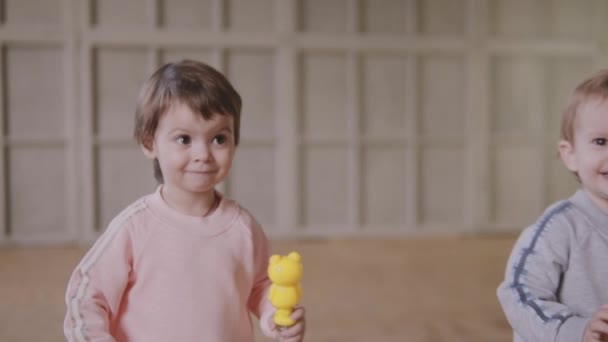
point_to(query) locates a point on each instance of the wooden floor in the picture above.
(415, 290)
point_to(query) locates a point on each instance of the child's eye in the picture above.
(599, 141)
(220, 139)
(184, 139)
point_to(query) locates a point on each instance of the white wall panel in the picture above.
(571, 19)
(255, 163)
(33, 13)
(323, 16)
(325, 188)
(34, 92)
(177, 54)
(363, 117)
(131, 14)
(519, 18)
(383, 91)
(252, 73)
(37, 193)
(384, 17)
(186, 14)
(517, 147)
(562, 73)
(324, 95)
(514, 85)
(516, 200)
(36, 139)
(442, 178)
(123, 175)
(442, 112)
(384, 194)
(250, 16)
(442, 17)
(119, 74)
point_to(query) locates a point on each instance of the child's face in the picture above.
(588, 153)
(194, 154)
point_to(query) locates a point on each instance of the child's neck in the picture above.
(192, 204)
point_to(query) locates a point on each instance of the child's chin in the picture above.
(199, 189)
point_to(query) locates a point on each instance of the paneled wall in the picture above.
(361, 117)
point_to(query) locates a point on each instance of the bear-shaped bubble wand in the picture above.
(285, 292)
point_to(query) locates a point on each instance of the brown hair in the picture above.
(594, 87)
(202, 88)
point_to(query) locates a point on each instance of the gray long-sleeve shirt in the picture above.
(557, 274)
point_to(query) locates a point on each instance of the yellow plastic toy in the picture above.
(285, 273)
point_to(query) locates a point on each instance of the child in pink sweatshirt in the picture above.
(183, 263)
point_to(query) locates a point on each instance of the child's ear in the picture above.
(567, 155)
(148, 148)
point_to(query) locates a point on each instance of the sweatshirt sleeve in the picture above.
(258, 302)
(528, 294)
(95, 289)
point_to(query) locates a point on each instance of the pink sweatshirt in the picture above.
(158, 275)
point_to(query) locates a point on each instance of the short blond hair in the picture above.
(592, 88)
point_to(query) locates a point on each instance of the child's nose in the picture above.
(201, 152)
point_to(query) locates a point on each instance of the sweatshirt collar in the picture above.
(582, 200)
(213, 224)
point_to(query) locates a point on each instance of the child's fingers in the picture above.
(270, 322)
(285, 337)
(294, 330)
(601, 315)
(292, 339)
(268, 326)
(598, 326)
(597, 336)
(298, 313)
(592, 337)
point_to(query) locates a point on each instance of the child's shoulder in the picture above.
(562, 218)
(135, 210)
(560, 212)
(575, 210)
(557, 209)
(243, 217)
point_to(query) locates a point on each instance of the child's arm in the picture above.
(96, 287)
(258, 299)
(528, 294)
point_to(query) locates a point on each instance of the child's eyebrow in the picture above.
(178, 129)
(226, 129)
(185, 130)
(597, 132)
